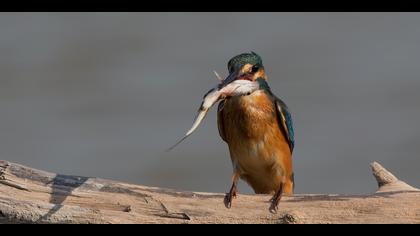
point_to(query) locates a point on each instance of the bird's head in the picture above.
(245, 66)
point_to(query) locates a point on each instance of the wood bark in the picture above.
(28, 195)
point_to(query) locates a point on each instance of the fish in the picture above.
(218, 93)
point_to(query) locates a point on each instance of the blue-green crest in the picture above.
(240, 60)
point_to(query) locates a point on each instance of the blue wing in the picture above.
(220, 124)
(285, 121)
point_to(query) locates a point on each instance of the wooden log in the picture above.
(33, 196)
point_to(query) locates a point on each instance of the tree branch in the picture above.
(33, 196)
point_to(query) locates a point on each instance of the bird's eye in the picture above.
(255, 68)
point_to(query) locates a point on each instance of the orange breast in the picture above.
(258, 149)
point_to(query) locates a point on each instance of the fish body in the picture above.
(236, 88)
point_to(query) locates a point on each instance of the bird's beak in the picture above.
(229, 79)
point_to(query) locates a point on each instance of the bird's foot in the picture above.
(232, 192)
(275, 200)
(273, 207)
(229, 197)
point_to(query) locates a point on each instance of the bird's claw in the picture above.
(273, 207)
(275, 200)
(228, 199)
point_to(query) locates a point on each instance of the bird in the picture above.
(258, 130)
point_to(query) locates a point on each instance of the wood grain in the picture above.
(33, 196)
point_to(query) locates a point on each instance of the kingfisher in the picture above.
(258, 130)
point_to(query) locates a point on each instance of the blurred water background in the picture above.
(104, 94)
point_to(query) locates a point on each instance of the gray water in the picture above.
(104, 94)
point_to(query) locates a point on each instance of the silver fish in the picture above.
(235, 88)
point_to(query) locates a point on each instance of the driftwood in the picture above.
(33, 196)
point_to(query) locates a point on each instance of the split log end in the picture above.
(387, 182)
